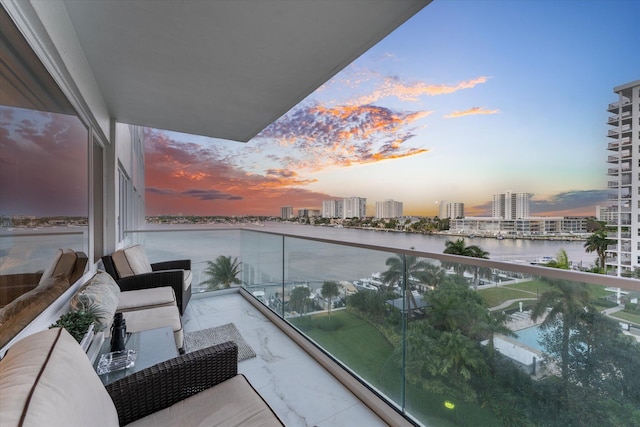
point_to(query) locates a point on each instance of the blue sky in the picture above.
(466, 99)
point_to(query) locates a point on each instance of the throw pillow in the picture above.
(99, 296)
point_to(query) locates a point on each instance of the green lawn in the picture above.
(598, 291)
(532, 286)
(495, 296)
(356, 343)
(629, 317)
(367, 352)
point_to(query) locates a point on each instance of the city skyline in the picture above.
(464, 100)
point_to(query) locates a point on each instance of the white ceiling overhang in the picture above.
(225, 69)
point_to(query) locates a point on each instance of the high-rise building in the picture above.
(308, 213)
(624, 179)
(388, 209)
(510, 205)
(286, 212)
(332, 208)
(354, 207)
(451, 210)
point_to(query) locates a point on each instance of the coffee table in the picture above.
(152, 346)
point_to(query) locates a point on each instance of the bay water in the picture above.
(308, 261)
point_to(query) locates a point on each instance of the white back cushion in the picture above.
(131, 261)
(47, 380)
(63, 263)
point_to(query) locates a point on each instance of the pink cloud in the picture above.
(393, 87)
(470, 112)
(320, 136)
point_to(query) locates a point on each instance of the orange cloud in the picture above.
(318, 136)
(470, 112)
(195, 179)
(412, 92)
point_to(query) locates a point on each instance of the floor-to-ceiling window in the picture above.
(44, 165)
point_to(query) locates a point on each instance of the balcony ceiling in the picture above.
(225, 69)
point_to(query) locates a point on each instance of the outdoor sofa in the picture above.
(24, 296)
(142, 309)
(47, 379)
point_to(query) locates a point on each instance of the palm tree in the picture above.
(299, 299)
(459, 248)
(492, 324)
(330, 290)
(222, 273)
(411, 266)
(459, 355)
(434, 275)
(565, 301)
(598, 243)
(561, 261)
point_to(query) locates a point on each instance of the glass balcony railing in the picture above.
(444, 339)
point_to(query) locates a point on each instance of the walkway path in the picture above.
(509, 302)
(611, 310)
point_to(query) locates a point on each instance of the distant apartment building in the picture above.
(451, 210)
(532, 226)
(354, 207)
(624, 180)
(308, 213)
(286, 212)
(388, 209)
(332, 208)
(510, 205)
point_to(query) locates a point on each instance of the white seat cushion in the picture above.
(146, 298)
(231, 403)
(151, 318)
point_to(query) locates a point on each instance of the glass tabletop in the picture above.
(151, 346)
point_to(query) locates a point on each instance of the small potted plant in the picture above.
(77, 323)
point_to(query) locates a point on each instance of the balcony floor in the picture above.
(298, 389)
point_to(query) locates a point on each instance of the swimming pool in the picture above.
(530, 337)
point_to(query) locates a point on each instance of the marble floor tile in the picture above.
(298, 389)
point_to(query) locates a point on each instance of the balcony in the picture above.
(298, 388)
(614, 235)
(613, 159)
(622, 142)
(614, 197)
(377, 338)
(614, 106)
(616, 184)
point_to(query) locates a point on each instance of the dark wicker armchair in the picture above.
(166, 383)
(176, 274)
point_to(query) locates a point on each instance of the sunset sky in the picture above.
(466, 99)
